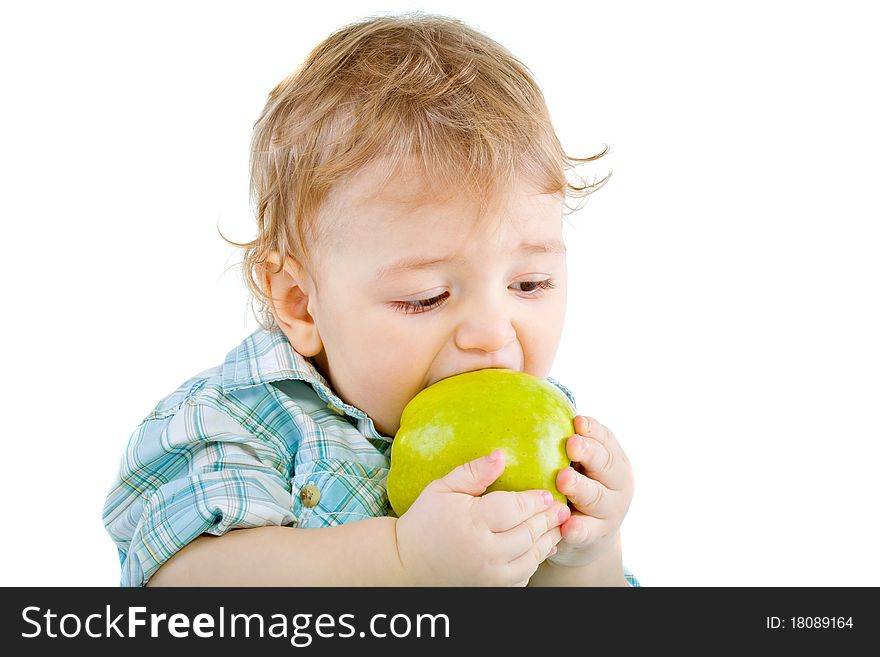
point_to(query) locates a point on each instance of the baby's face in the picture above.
(482, 296)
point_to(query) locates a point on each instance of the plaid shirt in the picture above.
(234, 446)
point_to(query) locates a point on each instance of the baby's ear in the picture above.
(290, 291)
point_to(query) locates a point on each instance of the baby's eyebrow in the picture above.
(413, 263)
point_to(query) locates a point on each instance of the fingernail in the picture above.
(585, 424)
(495, 456)
(563, 514)
(548, 497)
(552, 551)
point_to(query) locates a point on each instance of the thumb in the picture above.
(474, 477)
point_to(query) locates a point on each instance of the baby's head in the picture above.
(410, 193)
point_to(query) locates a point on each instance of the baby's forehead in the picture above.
(376, 213)
(390, 195)
(404, 189)
(397, 216)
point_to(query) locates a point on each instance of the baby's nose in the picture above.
(486, 333)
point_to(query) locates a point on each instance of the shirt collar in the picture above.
(266, 356)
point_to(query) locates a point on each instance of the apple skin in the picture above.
(466, 416)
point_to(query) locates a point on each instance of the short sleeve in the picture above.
(194, 470)
(631, 579)
(564, 390)
(347, 469)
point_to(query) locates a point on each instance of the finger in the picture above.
(592, 428)
(473, 477)
(524, 566)
(593, 459)
(502, 510)
(522, 538)
(586, 495)
(583, 530)
(599, 454)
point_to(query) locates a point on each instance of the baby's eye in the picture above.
(423, 305)
(547, 284)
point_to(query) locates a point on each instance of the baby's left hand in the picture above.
(599, 486)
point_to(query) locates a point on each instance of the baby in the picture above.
(409, 190)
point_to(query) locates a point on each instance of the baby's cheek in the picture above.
(539, 341)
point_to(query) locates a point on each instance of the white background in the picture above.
(723, 314)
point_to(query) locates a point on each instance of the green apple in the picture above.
(466, 416)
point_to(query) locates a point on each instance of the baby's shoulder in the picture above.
(186, 392)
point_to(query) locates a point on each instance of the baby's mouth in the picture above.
(432, 381)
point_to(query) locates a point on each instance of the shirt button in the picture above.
(310, 495)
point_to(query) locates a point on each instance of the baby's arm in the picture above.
(451, 535)
(607, 570)
(360, 553)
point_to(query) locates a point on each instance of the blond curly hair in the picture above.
(414, 89)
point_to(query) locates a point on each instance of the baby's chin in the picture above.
(390, 431)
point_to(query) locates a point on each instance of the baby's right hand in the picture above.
(452, 537)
